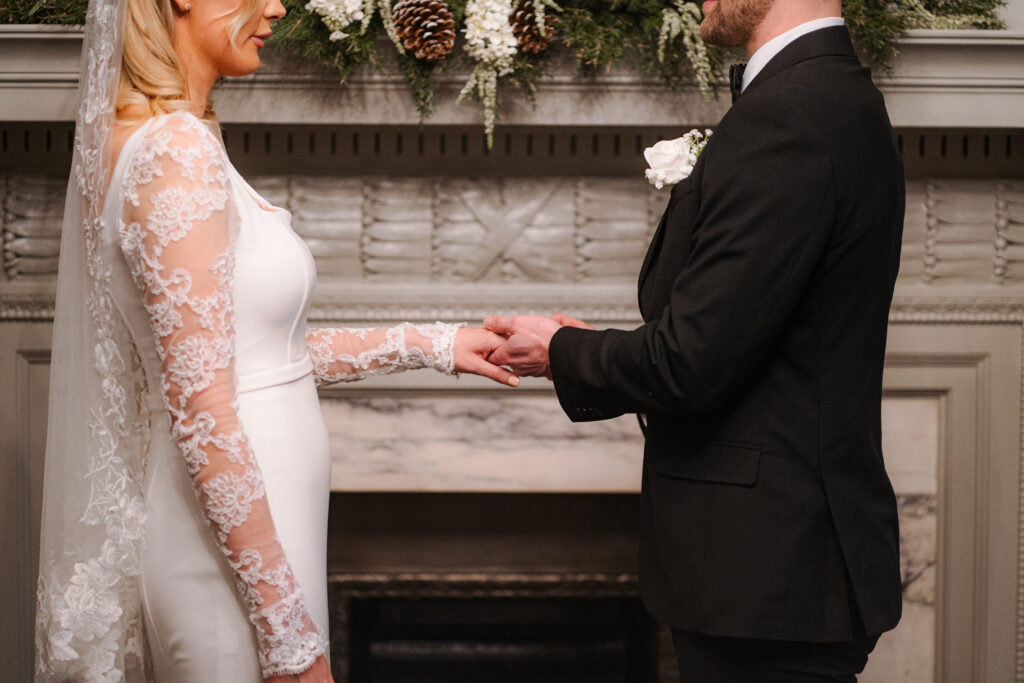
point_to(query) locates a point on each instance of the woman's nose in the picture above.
(275, 10)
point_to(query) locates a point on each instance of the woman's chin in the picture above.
(245, 63)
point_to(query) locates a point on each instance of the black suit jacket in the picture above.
(765, 296)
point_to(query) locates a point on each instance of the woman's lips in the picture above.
(259, 40)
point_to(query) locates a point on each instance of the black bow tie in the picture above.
(736, 80)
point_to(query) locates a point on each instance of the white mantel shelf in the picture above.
(942, 79)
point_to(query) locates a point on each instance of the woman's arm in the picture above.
(349, 354)
(177, 235)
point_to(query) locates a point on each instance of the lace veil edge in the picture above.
(88, 621)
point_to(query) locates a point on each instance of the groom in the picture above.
(768, 538)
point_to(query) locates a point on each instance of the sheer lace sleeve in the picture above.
(347, 354)
(177, 235)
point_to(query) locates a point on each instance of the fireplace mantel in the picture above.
(949, 79)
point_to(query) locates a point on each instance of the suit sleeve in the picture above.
(766, 214)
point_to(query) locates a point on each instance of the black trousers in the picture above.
(717, 659)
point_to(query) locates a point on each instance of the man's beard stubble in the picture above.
(730, 23)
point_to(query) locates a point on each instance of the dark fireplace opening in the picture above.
(490, 588)
(484, 639)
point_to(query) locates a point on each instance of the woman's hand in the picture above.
(472, 347)
(320, 672)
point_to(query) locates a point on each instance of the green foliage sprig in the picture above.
(876, 24)
(67, 12)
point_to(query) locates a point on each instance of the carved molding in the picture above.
(524, 231)
(344, 587)
(26, 306)
(29, 453)
(941, 308)
(942, 78)
(482, 585)
(602, 304)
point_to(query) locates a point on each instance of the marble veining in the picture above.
(473, 443)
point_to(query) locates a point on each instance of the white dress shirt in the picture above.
(764, 54)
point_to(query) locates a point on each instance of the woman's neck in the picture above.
(199, 76)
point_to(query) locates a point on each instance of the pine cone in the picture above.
(425, 27)
(524, 26)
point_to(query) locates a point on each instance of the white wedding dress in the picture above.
(238, 468)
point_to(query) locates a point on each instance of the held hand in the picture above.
(473, 346)
(526, 350)
(320, 672)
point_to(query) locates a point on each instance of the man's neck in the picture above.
(785, 15)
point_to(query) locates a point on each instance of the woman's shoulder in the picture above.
(182, 129)
(174, 148)
(179, 138)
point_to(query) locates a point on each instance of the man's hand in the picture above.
(529, 336)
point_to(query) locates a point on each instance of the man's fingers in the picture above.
(499, 375)
(569, 321)
(499, 324)
(499, 356)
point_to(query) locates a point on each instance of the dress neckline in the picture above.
(128, 148)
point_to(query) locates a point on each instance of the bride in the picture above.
(187, 466)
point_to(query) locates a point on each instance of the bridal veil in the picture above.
(88, 625)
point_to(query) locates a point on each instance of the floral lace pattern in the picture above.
(177, 235)
(342, 354)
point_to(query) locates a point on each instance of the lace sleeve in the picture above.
(177, 236)
(347, 354)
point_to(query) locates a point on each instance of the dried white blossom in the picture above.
(683, 19)
(492, 43)
(489, 36)
(540, 13)
(337, 15)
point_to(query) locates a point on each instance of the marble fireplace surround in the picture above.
(953, 381)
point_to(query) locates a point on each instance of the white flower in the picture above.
(91, 607)
(489, 36)
(337, 14)
(672, 160)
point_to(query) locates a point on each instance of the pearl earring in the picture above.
(188, 6)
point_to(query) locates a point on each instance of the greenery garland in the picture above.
(656, 37)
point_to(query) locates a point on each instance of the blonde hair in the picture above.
(152, 80)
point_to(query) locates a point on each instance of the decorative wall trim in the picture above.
(28, 469)
(483, 584)
(940, 308)
(23, 306)
(546, 239)
(599, 303)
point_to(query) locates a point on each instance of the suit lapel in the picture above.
(651, 252)
(689, 184)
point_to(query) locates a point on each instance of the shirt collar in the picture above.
(764, 54)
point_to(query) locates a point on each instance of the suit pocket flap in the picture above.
(721, 463)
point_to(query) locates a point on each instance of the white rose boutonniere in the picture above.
(672, 160)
